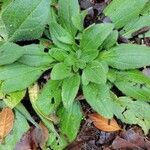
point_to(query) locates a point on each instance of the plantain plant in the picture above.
(87, 61)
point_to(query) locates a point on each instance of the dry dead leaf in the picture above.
(104, 124)
(6, 122)
(131, 139)
(45, 135)
(40, 136)
(135, 137)
(26, 142)
(34, 139)
(120, 143)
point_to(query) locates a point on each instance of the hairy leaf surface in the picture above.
(95, 35)
(35, 56)
(9, 52)
(97, 95)
(70, 89)
(133, 112)
(127, 56)
(60, 71)
(70, 120)
(25, 20)
(122, 11)
(67, 9)
(17, 76)
(132, 83)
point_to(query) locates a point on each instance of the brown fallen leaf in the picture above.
(134, 137)
(26, 142)
(6, 122)
(45, 134)
(40, 136)
(104, 124)
(34, 139)
(120, 143)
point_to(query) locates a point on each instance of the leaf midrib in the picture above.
(12, 36)
(27, 72)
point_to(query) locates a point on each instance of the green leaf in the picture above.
(49, 98)
(147, 34)
(53, 13)
(85, 81)
(56, 143)
(13, 99)
(78, 20)
(133, 112)
(96, 72)
(120, 12)
(79, 64)
(20, 127)
(21, 108)
(70, 120)
(58, 54)
(5, 3)
(95, 35)
(2, 104)
(70, 60)
(70, 89)
(111, 40)
(134, 75)
(17, 77)
(47, 120)
(97, 95)
(146, 9)
(132, 83)
(9, 53)
(127, 56)
(134, 90)
(67, 9)
(60, 71)
(60, 36)
(35, 56)
(134, 25)
(3, 31)
(25, 20)
(89, 55)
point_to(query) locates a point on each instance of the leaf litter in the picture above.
(34, 139)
